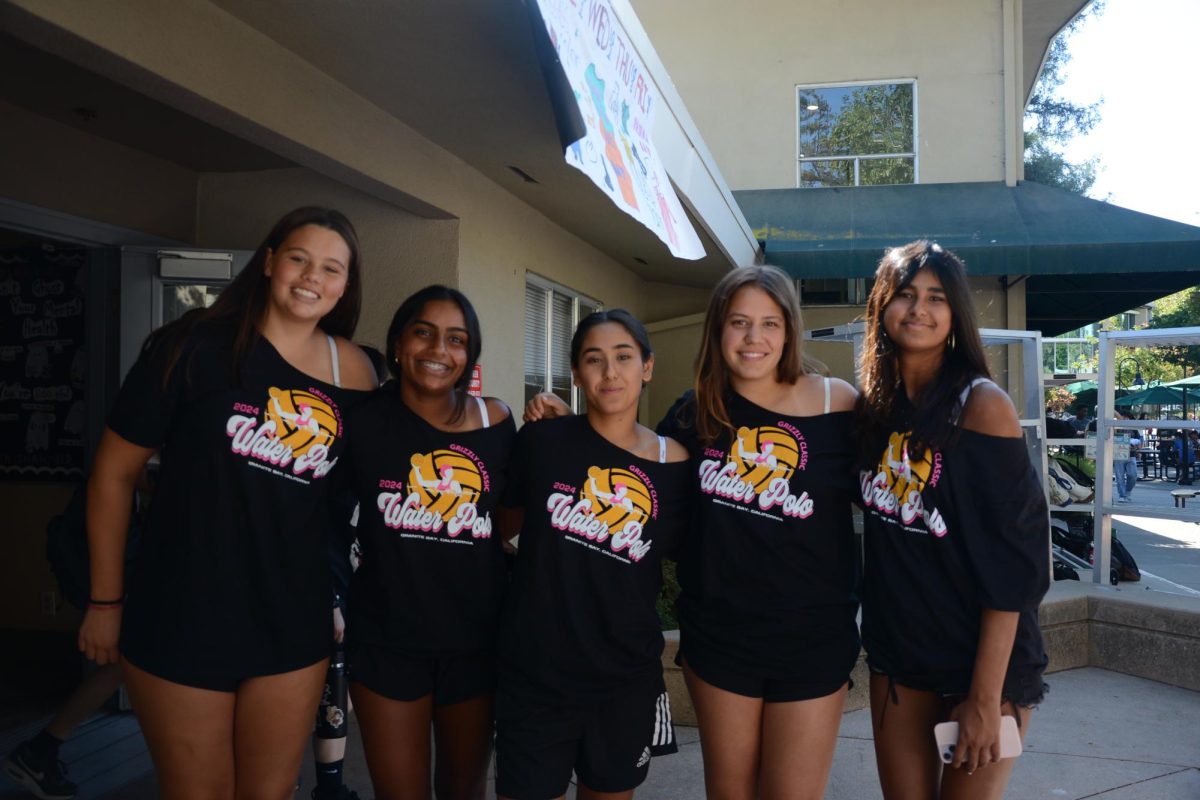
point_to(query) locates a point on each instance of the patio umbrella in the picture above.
(1190, 382)
(1157, 396)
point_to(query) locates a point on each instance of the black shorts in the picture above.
(178, 668)
(403, 677)
(1024, 688)
(715, 671)
(608, 745)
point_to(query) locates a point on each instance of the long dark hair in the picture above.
(938, 405)
(241, 305)
(712, 373)
(409, 310)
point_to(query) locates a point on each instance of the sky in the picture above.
(1140, 56)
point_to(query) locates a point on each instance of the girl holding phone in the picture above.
(956, 539)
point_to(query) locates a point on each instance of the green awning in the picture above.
(1084, 259)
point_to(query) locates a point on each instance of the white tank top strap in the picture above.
(662, 449)
(483, 415)
(333, 360)
(826, 382)
(962, 398)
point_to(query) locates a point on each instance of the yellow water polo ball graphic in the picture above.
(905, 470)
(618, 497)
(443, 480)
(764, 454)
(302, 420)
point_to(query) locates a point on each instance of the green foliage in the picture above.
(668, 596)
(872, 120)
(1059, 399)
(1047, 166)
(1052, 121)
(1179, 310)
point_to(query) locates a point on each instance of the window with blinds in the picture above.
(551, 314)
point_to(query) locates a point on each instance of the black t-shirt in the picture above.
(233, 576)
(768, 580)
(431, 577)
(950, 533)
(580, 621)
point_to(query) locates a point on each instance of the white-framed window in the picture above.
(856, 134)
(551, 313)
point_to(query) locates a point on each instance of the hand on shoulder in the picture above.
(545, 405)
(990, 411)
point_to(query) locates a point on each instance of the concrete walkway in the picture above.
(1099, 734)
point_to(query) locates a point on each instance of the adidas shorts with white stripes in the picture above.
(607, 746)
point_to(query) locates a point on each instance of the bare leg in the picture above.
(396, 742)
(905, 752)
(190, 735)
(989, 781)
(798, 742)
(730, 739)
(463, 736)
(584, 793)
(91, 693)
(273, 719)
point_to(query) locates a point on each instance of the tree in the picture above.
(1052, 121)
(1179, 310)
(871, 120)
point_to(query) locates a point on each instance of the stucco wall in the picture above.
(736, 65)
(198, 58)
(45, 163)
(401, 252)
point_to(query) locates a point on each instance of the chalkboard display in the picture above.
(43, 363)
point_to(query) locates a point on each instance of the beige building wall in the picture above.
(201, 56)
(48, 164)
(401, 251)
(737, 66)
(422, 214)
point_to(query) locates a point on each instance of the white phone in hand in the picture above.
(946, 734)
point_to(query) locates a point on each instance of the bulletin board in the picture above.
(43, 363)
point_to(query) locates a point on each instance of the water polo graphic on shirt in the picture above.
(893, 491)
(442, 494)
(294, 429)
(755, 475)
(608, 513)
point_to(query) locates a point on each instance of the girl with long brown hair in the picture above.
(224, 628)
(955, 536)
(767, 610)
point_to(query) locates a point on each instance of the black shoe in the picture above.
(340, 793)
(45, 778)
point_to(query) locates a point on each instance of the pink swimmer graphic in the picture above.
(764, 458)
(446, 484)
(619, 496)
(302, 420)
